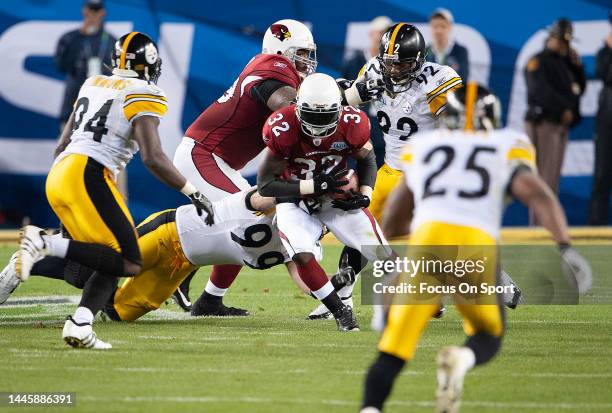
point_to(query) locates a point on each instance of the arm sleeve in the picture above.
(144, 100)
(521, 154)
(262, 91)
(436, 98)
(366, 169)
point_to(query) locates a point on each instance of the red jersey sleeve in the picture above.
(358, 128)
(271, 139)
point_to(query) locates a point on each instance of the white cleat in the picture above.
(322, 313)
(8, 279)
(453, 364)
(369, 410)
(82, 336)
(32, 248)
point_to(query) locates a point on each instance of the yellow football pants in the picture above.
(406, 323)
(84, 196)
(387, 179)
(164, 268)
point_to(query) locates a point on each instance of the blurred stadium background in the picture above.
(204, 45)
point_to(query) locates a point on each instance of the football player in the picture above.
(408, 94)
(308, 147)
(457, 179)
(113, 117)
(227, 135)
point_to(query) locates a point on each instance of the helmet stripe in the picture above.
(470, 98)
(124, 47)
(393, 36)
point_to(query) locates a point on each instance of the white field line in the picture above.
(521, 405)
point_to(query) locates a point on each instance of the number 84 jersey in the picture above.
(104, 113)
(401, 115)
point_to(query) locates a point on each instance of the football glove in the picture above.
(203, 204)
(329, 182)
(370, 89)
(356, 201)
(576, 269)
(343, 83)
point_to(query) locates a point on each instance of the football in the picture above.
(353, 184)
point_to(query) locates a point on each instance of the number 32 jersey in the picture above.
(400, 116)
(104, 114)
(461, 178)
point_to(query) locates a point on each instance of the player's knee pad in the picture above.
(76, 274)
(485, 346)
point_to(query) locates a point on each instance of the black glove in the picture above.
(576, 269)
(203, 204)
(356, 201)
(329, 182)
(370, 89)
(343, 83)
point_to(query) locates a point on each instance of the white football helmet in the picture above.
(293, 40)
(318, 105)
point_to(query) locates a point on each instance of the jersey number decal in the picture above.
(471, 165)
(385, 124)
(283, 127)
(99, 129)
(256, 236)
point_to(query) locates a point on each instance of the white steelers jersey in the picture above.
(104, 112)
(238, 236)
(403, 115)
(461, 178)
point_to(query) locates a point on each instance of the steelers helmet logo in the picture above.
(280, 31)
(150, 53)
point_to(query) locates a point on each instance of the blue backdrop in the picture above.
(225, 36)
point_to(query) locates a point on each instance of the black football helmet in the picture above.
(472, 107)
(136, 55)
(401, 55)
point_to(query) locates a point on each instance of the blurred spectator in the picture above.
(443, 49)
(351, 68)
(555, 81)
(83, 52)
(353, 65)
(602, 179)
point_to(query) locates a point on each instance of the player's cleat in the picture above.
(369, 410)
(453, 364)
(322, 313)
(181, 298)
(441, 311)
(203, 308)
(346, 320)
(31, 248)
(516, 298)
(82, 336)
(8, 279)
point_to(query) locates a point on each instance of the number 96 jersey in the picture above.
(462, 178)
(404, 114)
(104, 113)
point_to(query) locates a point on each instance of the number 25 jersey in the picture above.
(400, 116)
(104, 114)
(461, 177)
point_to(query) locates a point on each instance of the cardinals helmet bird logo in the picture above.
(280, 31)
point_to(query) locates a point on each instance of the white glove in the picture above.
(576, 269)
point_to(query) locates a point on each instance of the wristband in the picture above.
(189, 189)
(307, 187)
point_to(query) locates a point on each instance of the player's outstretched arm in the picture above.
(532, 191)
(65, 136)
(281, 98)
(154, 158)
(397, 214)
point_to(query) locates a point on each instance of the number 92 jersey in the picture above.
(103, 116)
(461, 178)
(404, 114)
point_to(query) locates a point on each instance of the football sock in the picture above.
(97, 257)
(352, 257)
(98, 289)
(333, 303)
(380, 378)
(314, 277)
(484, 346)
(222, 276)
(212, 290)
(50, 267)
(57, 246)
(83, 315)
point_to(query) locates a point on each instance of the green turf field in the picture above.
(554, 358)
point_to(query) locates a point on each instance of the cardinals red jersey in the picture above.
(307, 157)
(231, 127)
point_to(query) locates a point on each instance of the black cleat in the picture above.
(181, 299)
(345, 320)
(203, 308)
(440, 312)
(516, 298)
